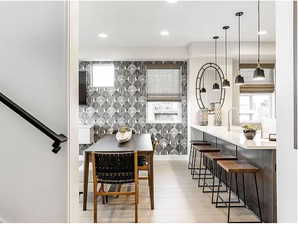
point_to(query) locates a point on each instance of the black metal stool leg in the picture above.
(200, 164)
(226, 182)
(258, 199)
(214, 172)
(219, 184)
(237, 186)
(192, 161)
(205, 174)
(194, 164)
(244, 190)
(229, 195)
(201, 175)
(200, 168)
(190, 153)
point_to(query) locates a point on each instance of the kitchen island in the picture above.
(259, 152)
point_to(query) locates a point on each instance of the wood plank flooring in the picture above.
(177, 200)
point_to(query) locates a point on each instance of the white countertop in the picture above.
(236, 137)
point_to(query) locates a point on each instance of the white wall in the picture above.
(286, 155)
(131, 53)
(248, 50)
(33, 74)
(194, 66)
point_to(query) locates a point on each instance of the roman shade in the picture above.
(163, 83)
(257, 88)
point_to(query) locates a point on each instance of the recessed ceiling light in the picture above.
(172, 1)
(164, 33)
(103, 35)
(262, 32)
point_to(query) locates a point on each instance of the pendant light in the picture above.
(203, 90)
(259, 73)
(225, 83)
(239, 79)
(216, 86)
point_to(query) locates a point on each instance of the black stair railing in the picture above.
(57, 138)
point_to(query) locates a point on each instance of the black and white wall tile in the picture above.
(125, 104)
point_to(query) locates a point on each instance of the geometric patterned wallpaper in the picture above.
(125, 104)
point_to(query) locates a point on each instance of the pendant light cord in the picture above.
(258, 34)
(215, 57)
(226, 53)
(239, 43)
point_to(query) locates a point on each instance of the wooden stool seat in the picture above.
(205, 148)
(219, 156)
(236, 166)
(194, 143)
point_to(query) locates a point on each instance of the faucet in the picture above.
(228, 118)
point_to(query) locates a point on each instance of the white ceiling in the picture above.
(138, 24)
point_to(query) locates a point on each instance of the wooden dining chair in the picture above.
(114, 168)
(143, 164)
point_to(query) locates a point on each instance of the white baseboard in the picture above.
(171, 157)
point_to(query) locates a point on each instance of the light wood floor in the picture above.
(177, 200)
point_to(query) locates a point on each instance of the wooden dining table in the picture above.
(141, 143)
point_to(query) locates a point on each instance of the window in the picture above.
(163, 84)
(256, 106)
(257, 98)
(103, 75)
(164, 112)
(164, 95)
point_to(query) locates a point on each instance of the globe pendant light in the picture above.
(259, 73)
(239, 79)
(225, 83)
(216, 86)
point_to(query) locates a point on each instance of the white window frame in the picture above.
(250, 95)
(150, 116)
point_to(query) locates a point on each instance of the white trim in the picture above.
(72, 23)
(170, 157)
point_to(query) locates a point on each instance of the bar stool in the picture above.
(191, 154)
(238, 167)
(212, 158)
(201, 149)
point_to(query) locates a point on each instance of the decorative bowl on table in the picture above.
(249, 131)
(124, 134)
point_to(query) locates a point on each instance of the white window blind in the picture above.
(163, 84)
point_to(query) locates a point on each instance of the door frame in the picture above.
(72, 53)
(72, 24)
